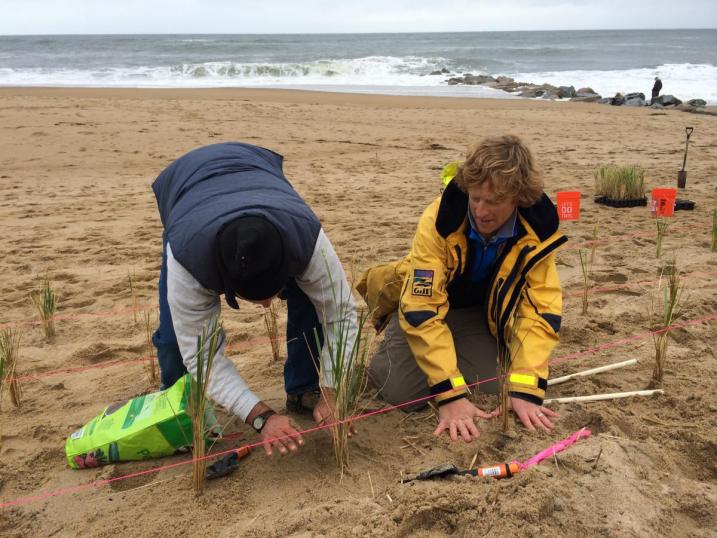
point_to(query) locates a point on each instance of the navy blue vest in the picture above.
(207, 188)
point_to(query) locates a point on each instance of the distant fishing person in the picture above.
(656, 88)
(481, 274)
(234, 226)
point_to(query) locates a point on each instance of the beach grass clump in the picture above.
(45, 303)
(586, 270)
(151, 362)
(207, 345)
(620, 182)
(670, 291)
(714, 231)
(9, 350)
(348, 351)
(506, 351)
(662, 226)
(271, 322)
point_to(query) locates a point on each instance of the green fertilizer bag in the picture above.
(145, 427)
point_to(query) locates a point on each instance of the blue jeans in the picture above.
(302, 328)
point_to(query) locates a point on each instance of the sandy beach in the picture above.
(76, 208)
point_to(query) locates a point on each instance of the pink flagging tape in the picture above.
(74, 489)
(554, 449)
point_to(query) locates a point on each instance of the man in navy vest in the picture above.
(234, 226)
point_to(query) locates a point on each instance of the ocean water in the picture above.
(608, 61)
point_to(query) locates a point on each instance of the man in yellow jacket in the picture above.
(480, 280)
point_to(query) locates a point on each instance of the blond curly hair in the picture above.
(507, 163)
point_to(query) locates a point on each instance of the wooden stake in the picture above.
(591, 371)
(610, 396)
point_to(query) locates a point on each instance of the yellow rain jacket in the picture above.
(523, 304)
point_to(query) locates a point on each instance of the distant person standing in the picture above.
(656, 89)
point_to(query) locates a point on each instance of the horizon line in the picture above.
(352, 33)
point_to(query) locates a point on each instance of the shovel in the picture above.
(682, 174)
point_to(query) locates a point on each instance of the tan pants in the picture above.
(396, 375)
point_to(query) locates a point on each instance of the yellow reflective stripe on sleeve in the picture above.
(524, 379)
(458, 381)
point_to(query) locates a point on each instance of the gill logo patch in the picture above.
(422, 283)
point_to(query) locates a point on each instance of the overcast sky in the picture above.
(328, 16)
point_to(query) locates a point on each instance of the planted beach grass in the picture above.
(662, 226)
(669, 291)
(619, 182)
(271, 323)
(9, 349)
(45, 303)
(207, 345)
(586, 271)
(506, 352)
(348, 353)
(349, 358)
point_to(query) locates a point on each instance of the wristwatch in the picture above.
(260, 420)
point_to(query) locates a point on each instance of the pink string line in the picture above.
(37, 377)
(613, 238)
(80, 315)
(110, 313)
(627, 285)
(554, 449)
(66, 491)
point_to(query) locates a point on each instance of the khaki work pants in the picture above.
(395, 373)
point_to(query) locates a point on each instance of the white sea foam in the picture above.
(686, 81)
(372, 74)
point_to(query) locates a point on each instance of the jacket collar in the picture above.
(541, 217)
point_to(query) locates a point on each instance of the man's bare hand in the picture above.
(533, 416)
(458, 417)
(282, 435)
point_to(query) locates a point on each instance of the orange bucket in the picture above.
(569, 205)
(663, 202)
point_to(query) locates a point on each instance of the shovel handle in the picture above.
(689, 130)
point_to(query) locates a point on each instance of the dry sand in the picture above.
(76, 206)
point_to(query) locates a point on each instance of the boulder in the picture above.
(635, 102)
(605, 101)
(618, 100)
(634, 95)
(586, 98)
(566, 91)
(586, 90)
(507, 87)
(550, 95)
(477, 79)
(454, 80)
(505, 81)
(656, 105)
(697, 102)
(668, 100)
(532, 92)
(686, 107)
